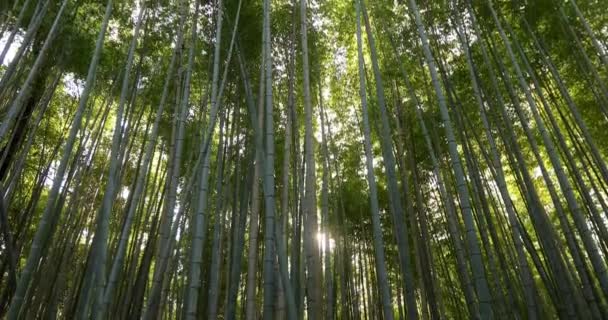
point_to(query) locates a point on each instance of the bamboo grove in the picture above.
(303, 159)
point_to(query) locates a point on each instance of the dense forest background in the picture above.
(294, 159)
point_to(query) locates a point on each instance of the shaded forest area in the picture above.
(303, 159)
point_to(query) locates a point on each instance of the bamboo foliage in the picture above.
(303, 159)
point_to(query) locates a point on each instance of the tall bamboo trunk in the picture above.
(314, 279)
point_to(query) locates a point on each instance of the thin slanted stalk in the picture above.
(199, 231)
(450, 213)
(601, 50)
(45, 231)
(538, 43)
(526, 276)
(139, 184)
(220, 211)
(167, 250)
(424, 228)
(424, 278)
(378, 242)
(586, 62)
(100, 241)
(583, 188)
(166, 228)
(531, 193)
(401, 229)
(254, 118)
(477, 267)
